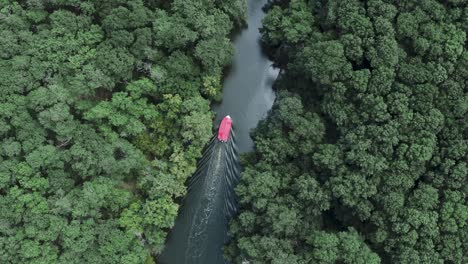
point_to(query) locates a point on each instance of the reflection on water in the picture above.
(200, 230)
(247, 92)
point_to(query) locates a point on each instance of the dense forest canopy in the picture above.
(104, 109)
(363, 158)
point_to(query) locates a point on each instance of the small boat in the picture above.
(225, 129)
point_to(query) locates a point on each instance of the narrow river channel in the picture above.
(201, 230)
(247, 90)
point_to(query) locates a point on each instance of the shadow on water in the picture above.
(201, 226)
(247, 92)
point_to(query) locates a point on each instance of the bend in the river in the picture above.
(201, 226)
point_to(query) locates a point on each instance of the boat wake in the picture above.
(201, 226)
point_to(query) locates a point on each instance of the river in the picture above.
(200, 230)
(247, 90)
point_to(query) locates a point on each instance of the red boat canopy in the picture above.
(225, 129)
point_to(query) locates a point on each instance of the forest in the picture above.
(363, 158)
(104, 110)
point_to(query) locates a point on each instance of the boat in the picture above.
(224, 130)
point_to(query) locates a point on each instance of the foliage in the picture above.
(363, 157)
(103, 112)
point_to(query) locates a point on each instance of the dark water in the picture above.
(201, 226)
(200, 230)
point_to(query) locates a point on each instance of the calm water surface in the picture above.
(247, 92)
(200, 230)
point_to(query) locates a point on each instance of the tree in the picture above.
(382, 177)
(103, 113)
